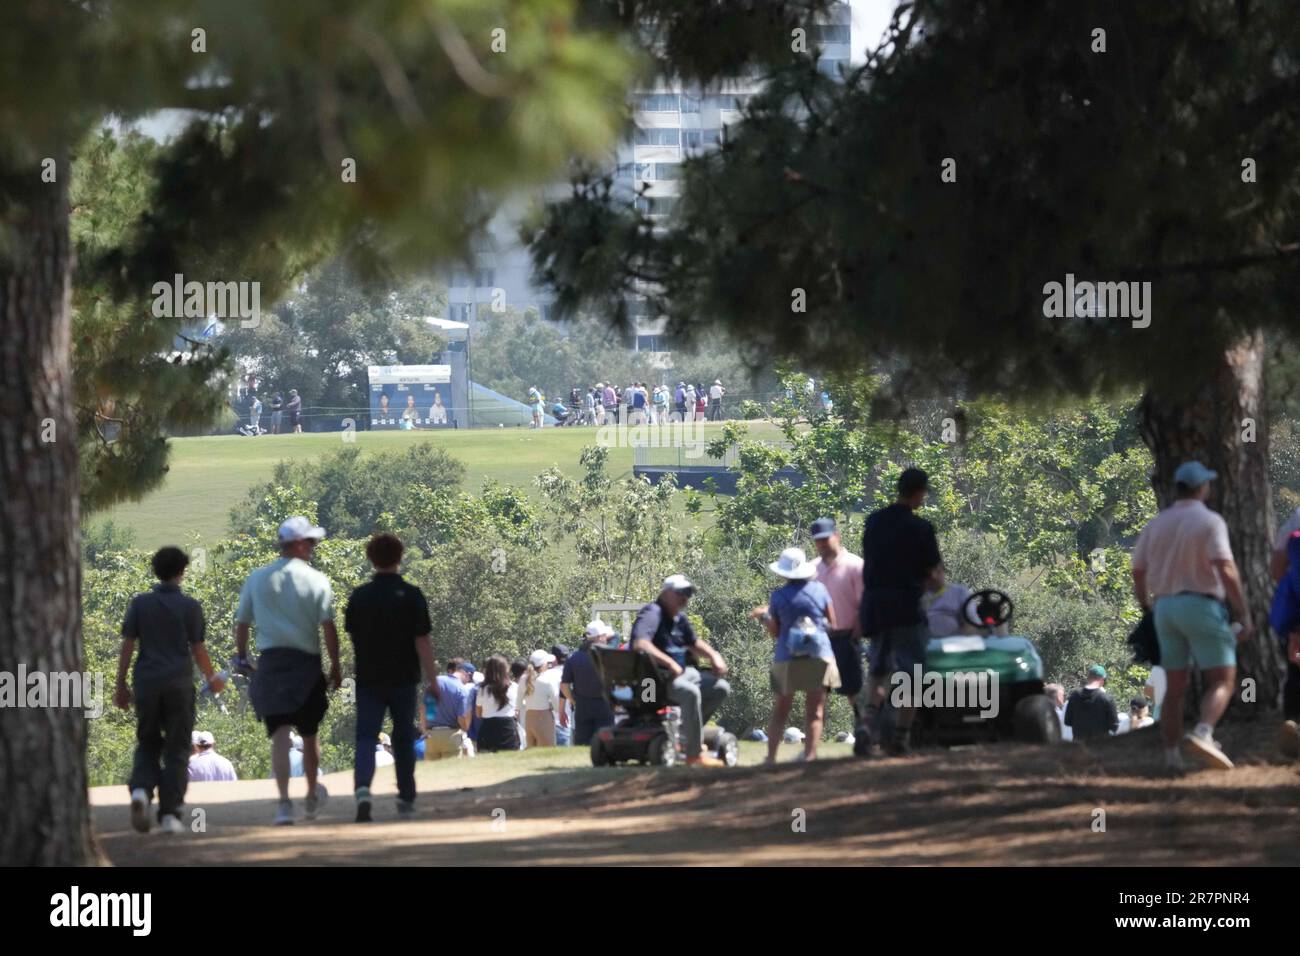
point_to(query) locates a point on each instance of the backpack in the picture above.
(1145, 646)
(801, 640)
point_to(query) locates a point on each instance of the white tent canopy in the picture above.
(453, 330)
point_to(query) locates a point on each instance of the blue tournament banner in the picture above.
(410, 396)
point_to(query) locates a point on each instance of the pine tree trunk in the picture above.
(1221, 422)
(45, 817)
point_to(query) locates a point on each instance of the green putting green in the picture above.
(209, 476)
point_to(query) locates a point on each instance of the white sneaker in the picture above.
(284, 813)
(172, 825)
(1207, 751)
(140, 810)
(315, 801)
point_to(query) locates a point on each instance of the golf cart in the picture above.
(647, 727)
(977, 687)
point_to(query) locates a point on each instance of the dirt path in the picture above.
(984, 805)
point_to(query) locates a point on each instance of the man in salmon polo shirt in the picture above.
(840, 572)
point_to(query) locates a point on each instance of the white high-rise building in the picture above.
(671, 122)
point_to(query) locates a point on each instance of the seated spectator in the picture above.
(1090, 712)
(207, 764)
(1139, 713)
(384, 751)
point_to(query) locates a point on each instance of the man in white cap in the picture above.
(663, 631)
(1183, 567)
(207, 764)
(291, 604)
(582, 687)
(716, 391)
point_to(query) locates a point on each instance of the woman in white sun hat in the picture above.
(799, 616)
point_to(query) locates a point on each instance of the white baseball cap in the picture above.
(679, 583)
(598, 628)
(792, 735)
(479, 677)
(205, 738)
(539, 658)
(297, 528)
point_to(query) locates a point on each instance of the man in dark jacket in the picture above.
(1090, 711)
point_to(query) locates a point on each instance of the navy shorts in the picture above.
(306, 720)
(848, 659)
(899, 649)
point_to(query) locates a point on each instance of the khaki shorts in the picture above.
(539, 728)
(442, 742)
(804, 674)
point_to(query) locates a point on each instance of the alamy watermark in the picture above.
(1098, 300)
(956, 690)
(179, 299)
(76, 690)
(688, 435)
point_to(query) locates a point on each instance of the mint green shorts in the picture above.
(1194, 626)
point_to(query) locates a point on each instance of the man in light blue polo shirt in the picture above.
(291, 604)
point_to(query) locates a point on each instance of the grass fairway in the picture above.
(208, 476)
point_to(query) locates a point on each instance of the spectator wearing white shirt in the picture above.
(1154, 690)
(945, 606)
(1056, 694)
(541, 699)
(497, 698)
(716, 391)
(207, 764)
(518, 672)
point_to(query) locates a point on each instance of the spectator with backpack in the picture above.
(799, 617)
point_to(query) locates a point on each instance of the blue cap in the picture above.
(822, 528)
(1193, 474)
(467, 667)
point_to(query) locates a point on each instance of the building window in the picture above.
(829, 33)
(691, 138)
(831, 68)
(710, 137)
(691, 103)
(656, 137)
(656, 205)
(657, 103)
(654, 343)
(668, 171)
(485, 278)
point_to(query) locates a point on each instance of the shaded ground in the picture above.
(991, 805)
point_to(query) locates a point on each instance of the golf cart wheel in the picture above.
(599, 755)
(662, 752)
(1035, 722)
(728, 749)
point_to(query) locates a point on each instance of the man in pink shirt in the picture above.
(840, 572)
(1183, 570)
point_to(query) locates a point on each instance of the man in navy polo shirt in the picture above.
(582, 687)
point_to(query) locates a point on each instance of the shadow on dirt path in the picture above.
(991, 805)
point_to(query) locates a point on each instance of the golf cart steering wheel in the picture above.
(987, 608)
